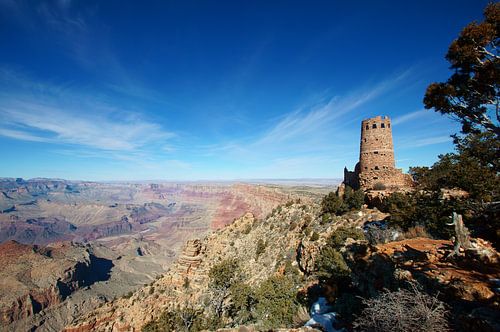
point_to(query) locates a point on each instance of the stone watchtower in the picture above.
(376, 167)
(376, 149)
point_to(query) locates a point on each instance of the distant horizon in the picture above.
(220, 90)
(264, 180)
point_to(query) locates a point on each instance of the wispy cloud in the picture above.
(313, 127)
(410, 116)
(21, 135)
(421, 142)
(314, 118)
(43, 113)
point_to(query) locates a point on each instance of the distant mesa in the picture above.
(376, 167)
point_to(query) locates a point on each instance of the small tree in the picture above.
(222, 276)
(402, 208)
(472, 93)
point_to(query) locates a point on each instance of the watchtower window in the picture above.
(374, 126)
(376, 168)
(388, 125)
(367, 127)
(376, 152)
(382, 125)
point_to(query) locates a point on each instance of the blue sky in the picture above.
(188, 90)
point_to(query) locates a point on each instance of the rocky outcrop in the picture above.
(285, 236)
(190, 258)
(34, 278)
(37, 230)
(464, 283)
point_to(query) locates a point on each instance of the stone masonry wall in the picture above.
(376, 149)
(376, 167)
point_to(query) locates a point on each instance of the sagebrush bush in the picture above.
(334, 204)
(402, 311)
(325, 218)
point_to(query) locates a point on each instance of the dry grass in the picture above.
(301, 317)
(416, 231)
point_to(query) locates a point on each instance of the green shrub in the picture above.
(332, 203)
(341, 234)
(168, 321)
(330, 264)
(186, 283)
(401, 207)
(276, 302)
(247, 229)
(243, 303)
(314, 236)
(424, 209)
(325, 219)
(261, 248)
(353, 199)
(224, 273)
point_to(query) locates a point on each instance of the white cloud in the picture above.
(430, 141)
(21, 135)
(312, 128)
(410, 116)
(33, 111)
(319, 117)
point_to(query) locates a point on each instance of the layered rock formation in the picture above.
(467, 282)
(286, 233)
(190, 258)
(34, 278)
